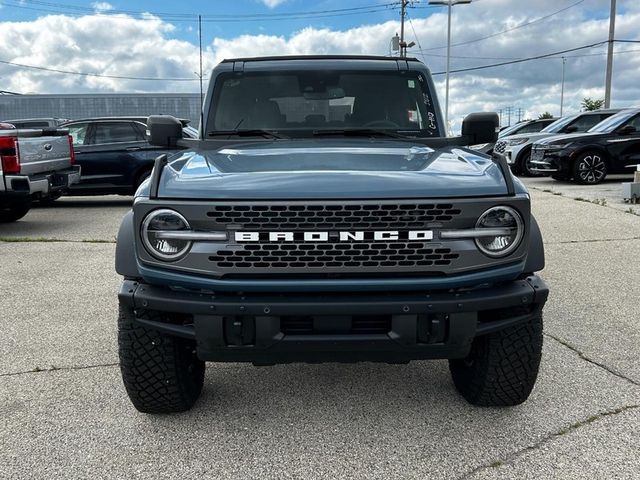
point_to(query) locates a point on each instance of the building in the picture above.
(182, 105)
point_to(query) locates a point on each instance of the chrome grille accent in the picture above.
(500, 147)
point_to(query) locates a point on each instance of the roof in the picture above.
(96, 119)
(317, 57)
(604, 110)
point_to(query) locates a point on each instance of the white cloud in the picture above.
(124, 46)
(273, 3)
(102, 6)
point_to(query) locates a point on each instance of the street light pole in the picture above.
(564, 61)
(449, 4)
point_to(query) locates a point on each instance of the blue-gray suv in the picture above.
(324, 216)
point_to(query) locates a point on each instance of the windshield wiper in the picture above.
(358, 132)
(244, 133)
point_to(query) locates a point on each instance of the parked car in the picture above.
(36, 122)
(34, 164)
(526, 126)
(516, 149)
(612, 146)
(114, 154)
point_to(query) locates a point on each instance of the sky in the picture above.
(155, 45)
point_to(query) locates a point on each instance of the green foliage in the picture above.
(589, 104)
(545, 115)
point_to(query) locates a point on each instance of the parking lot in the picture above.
(64, 411)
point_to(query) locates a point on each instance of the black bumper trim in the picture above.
(268, 345)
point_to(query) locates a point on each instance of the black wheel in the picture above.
(161, 374)
(525, 166)
(501, 367)
(14, 211)
(590, 168)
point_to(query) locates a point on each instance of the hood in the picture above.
(567, 138)
(330, 168)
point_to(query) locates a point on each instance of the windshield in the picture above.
(305, 103)
(613, 122)
(559, 124)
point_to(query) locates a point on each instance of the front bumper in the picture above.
(42, 184)
(282, 328)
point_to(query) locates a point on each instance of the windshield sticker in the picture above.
(432, 121)
(413, 116)
(411, 83)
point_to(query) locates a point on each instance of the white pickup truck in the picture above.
(35, 164)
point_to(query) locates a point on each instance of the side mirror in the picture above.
(163, 130)
(627, 130)
(571, 129)
(481, 127)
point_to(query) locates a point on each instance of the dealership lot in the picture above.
(64, 411)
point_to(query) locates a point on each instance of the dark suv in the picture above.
(113, 153)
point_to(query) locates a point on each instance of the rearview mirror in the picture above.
(571, 129)
(163, 130)
(481, 127)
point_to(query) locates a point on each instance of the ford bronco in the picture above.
(324, 216)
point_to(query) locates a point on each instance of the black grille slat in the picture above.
(335, 255)
(332, 217)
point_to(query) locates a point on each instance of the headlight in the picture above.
(555, 146)
(504, 231)
(159, 225)
(517, 141)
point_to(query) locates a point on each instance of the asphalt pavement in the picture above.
(64, 412)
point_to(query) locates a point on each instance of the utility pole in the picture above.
(612, 30)
(403, 13)
(520, 112)
(201, 89)
(564, 61)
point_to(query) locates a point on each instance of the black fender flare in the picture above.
(126, 261)
(535, 256)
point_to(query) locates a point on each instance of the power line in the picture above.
(536, 57)
(525, 24)
(100, 75)
(78, 11)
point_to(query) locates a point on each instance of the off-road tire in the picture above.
(502, 367)
(161, 374)
(14, 211)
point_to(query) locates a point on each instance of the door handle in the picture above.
(133, 149)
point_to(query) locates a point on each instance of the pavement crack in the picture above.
(594, 240)
(58, 369)
(584, 357)
(548, 438)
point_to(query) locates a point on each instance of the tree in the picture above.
(589, 104)
(544, 115)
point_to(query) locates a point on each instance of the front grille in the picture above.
(332, 217)
(336, 255)
(500, 147)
